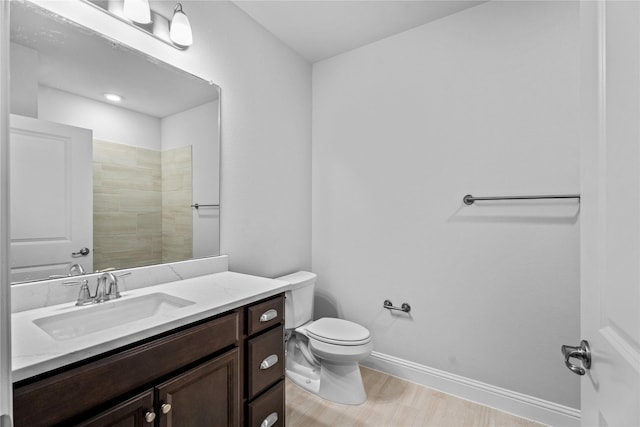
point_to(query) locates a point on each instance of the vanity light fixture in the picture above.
(137, 10)
(113, 97)
(180, 28)
(175, 31)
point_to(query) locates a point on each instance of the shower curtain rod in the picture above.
(469, 199)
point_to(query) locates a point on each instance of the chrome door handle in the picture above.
(81, 252)
(583, 353)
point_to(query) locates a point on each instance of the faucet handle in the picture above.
(75, 282)
(84, 296)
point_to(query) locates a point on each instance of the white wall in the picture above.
(24, 81)
(198, 127)
(482, 102)
(108, 122)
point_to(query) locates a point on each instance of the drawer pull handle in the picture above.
(149, 416)
(269, 362)
(271, 419)
(165, 408)
(268, 315)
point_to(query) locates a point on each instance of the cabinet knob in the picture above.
(165, 408)
(149, 416)
(269, 362)
(268, 315)
(271, 419)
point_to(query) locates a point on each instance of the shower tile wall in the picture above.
(128, 202)
(177, 216)
(127, 206)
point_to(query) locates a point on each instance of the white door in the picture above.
(610, 213)
(51, 178)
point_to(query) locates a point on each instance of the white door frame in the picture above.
(6, 398)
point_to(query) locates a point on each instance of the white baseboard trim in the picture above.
(515, 403)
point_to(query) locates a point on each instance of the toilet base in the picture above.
(337, 383)
(342, 383)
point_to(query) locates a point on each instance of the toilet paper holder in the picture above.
(405, 307)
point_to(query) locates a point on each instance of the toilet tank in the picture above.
(298, 305)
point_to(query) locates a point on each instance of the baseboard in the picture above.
(518, 404)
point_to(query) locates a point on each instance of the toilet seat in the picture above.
(338, 332)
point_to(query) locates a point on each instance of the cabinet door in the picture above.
(132, 413)
(205, 396)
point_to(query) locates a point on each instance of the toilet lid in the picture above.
(338, 331)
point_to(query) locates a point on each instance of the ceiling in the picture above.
(321, 29)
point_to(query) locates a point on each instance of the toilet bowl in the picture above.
(323, 356)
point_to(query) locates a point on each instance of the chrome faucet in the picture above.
(106, 289)
(102, 292)
(76, 270)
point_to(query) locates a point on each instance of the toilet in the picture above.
(322, 356)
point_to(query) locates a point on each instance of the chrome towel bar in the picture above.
(469, 199)
(198, 206)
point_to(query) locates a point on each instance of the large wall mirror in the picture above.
(100, 182)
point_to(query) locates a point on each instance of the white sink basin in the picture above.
(95, 318)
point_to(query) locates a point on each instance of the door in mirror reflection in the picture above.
(51, 193)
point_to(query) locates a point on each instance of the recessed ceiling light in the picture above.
(113, 97)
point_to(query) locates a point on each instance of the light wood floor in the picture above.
(393, 402)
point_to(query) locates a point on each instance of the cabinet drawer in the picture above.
(265, 359)
(78, 390)
(268, 408)
(264, 315)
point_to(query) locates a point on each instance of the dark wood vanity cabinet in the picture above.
(194, 376)
(207, 395)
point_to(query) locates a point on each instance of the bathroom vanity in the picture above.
(218, 361)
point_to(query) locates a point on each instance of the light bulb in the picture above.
(180, 30)
(138, 11)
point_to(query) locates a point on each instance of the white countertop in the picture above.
(35, 352)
